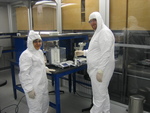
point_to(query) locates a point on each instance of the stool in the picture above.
(3, 82)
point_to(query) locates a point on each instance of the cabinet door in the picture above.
(44, 18)
(118, 10)
(71, 15)
(22, 18)
(140, 9)
(90, 6)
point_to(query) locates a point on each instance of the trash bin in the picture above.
(136, 104)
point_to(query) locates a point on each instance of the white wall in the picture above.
(14, 23)
(4, 23)
(104, 10)
(5, 42)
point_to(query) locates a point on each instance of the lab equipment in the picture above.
(78, 52)
(79, 61)
(50, 44)
(80, 47)
(63, 65)
(50, 33)
(56, 55)
(66, 64)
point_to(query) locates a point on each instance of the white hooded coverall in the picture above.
(33, 76)
(100, 56)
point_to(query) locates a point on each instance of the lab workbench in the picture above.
(59, 73)
(65, 40)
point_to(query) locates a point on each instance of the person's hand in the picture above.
(50, 70)
(79, 53)
(99, 75)
(32, 94)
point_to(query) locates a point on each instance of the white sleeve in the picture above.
(25, 65)
(105, 47)
(85, 52)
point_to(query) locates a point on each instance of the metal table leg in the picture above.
(13, 80)
(57, 96)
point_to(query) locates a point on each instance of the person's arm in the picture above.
(85, 52)
(48, 70)
(105, 47)
(81, 53)
(25, 64)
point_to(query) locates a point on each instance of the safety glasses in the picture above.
(37, 41)
(92, 20)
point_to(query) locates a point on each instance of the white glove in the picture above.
(99, 75)
(79, 53)
(50, 70)
(32, 94)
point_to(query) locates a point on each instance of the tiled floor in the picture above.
(70, 103)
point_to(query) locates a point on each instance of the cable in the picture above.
(88, 87)
(17, 105)
(83, 96)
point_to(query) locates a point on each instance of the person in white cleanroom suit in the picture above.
(33, 76)
(100, 62)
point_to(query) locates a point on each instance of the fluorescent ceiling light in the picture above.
(53, 3)
(67, 4)
(43, 2)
